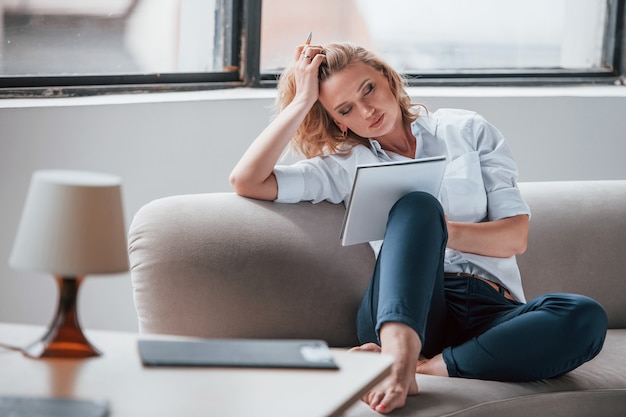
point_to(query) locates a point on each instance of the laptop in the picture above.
(377, 187)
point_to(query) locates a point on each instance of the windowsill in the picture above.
(268, 93)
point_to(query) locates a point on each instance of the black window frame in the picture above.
(241, 51)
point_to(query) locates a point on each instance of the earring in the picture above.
(344, 134)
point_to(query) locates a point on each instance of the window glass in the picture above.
(104, 37)
(54, 42)
(425, 35)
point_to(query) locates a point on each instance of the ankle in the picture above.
(435, 366)
(394, 332)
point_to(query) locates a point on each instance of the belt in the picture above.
(502, 290)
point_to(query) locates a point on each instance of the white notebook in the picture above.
(377, 187)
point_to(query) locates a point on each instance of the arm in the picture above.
(253, 175)
(505, 234)
(499, 238)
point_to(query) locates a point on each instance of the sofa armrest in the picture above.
(220, 265)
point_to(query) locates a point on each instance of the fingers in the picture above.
(299, 51)
(309, 52)
(306, 72)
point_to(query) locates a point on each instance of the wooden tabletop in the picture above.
(133, 390)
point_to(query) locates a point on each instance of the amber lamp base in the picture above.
(64, 338)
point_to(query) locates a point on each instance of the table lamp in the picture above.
(72, 225)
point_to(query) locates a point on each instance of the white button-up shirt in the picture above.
(480, 182)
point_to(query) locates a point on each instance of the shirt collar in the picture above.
(378, 150)
(424, 128)
(427, 123)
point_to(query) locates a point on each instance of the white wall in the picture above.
(178, 143)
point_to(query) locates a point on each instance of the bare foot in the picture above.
(401, 342)
(435, 366)
(367, 347)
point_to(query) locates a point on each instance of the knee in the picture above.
(417, 214)
(591, 323)
(590, 316)
(419, 204)
(584, 318)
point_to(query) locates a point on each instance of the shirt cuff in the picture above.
(290, 181)
(506, 202)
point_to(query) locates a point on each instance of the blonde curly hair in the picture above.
(318, 134)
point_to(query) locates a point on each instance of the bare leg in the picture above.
(401, 342)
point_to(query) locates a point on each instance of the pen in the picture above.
(308, 39)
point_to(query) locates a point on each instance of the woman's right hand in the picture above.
(308, 61)
(253, 176)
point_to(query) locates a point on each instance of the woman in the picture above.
(446, 296)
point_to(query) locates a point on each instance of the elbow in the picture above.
(523, 246)
(247, 187)
(519, 241)
(237, 184)
(512, 247)
(520, 247)
(232, 179)
(510, 251)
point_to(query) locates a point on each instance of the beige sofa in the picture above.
(219, 265)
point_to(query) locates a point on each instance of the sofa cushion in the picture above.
(597, 388)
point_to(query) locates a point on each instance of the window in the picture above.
(74, 42)
(71, 46)
(455, 39)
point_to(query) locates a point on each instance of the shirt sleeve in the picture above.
(499, 171)
(316, 179)
(290, 179)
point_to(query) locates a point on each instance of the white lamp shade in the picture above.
(72, 225)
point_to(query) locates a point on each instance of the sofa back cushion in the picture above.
(577, 242)
(220, 265)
